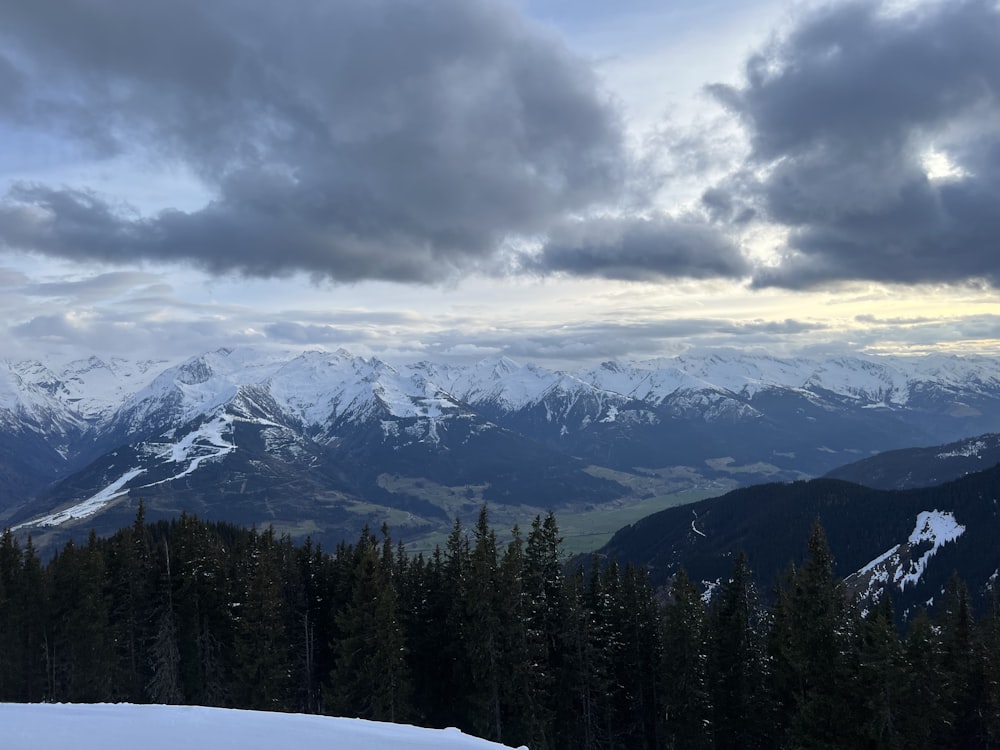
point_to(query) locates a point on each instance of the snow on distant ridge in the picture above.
(969, 449)
(315, 384)
(119, 726)
(905, 563)
(88, 507)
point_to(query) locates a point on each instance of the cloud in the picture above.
(843, 113)
(95, 288)
(362, 139)
(633, 248)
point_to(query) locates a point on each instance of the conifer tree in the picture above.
(11, 583)
(164, 685)
(810, 646)
(483, 637)
(881, 676)
(925, 717)
(961, 686)
(544, 611)
(202, 604)
(260, 660)
(519, 688)
(130, 581)
(370, 679)
(737, 663)
(686, 701)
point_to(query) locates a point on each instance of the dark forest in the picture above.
(498, 639)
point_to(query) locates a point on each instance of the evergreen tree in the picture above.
(80, 645)
(483, 637)
(882, 676)
(988, 648)
(686, 702)
(545, 622)
(34, 609)
(519, 686)
(260, 660)
(811, 647)
(202, 598)
(961, 685)
(11, 626)
(164, 685)
(370, 679)
(925, 717)
(737, 661)
(130, 581)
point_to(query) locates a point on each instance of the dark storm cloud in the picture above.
(391, 139)
(841, 113)
(640, 249)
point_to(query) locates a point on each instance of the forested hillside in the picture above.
(496, 639)
(769, 522)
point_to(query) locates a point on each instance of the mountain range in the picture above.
(320, 443)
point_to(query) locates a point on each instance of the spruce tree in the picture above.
(686, 699)
(737, 663)
(882, 675)
(483, 637)
(370, 679)
(810, 646)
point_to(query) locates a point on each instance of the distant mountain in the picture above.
(922, 467)
(904, 542)
(320, 443)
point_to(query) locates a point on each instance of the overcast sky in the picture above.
(556, 180)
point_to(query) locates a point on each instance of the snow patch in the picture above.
(936, 527)
(88, 507)
(972, 449)
(108, 727)
(900, 566)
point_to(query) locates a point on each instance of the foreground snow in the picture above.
(115, 726)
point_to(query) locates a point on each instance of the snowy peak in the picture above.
(905, 563)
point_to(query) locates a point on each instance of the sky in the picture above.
(559, 181)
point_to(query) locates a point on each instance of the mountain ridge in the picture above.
(362, 434)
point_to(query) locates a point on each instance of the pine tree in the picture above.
(737, 664)
(81, 654)
(961, 686)
(130, 582)
(686, 702)
(519, 688)
(202, 604)
(882, 676)
(545, 623)
(164, 685)
(483, 638)
(988, 649)
(370, 679)
(261, 664)
(925, 718)
(11, 627)
(811, 646)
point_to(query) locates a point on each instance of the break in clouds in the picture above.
(414, 140)
(847, 116)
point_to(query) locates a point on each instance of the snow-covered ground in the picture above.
(104, 726)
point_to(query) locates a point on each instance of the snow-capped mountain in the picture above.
(299, 437)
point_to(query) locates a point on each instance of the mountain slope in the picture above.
(922, 467)
(865, 527)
